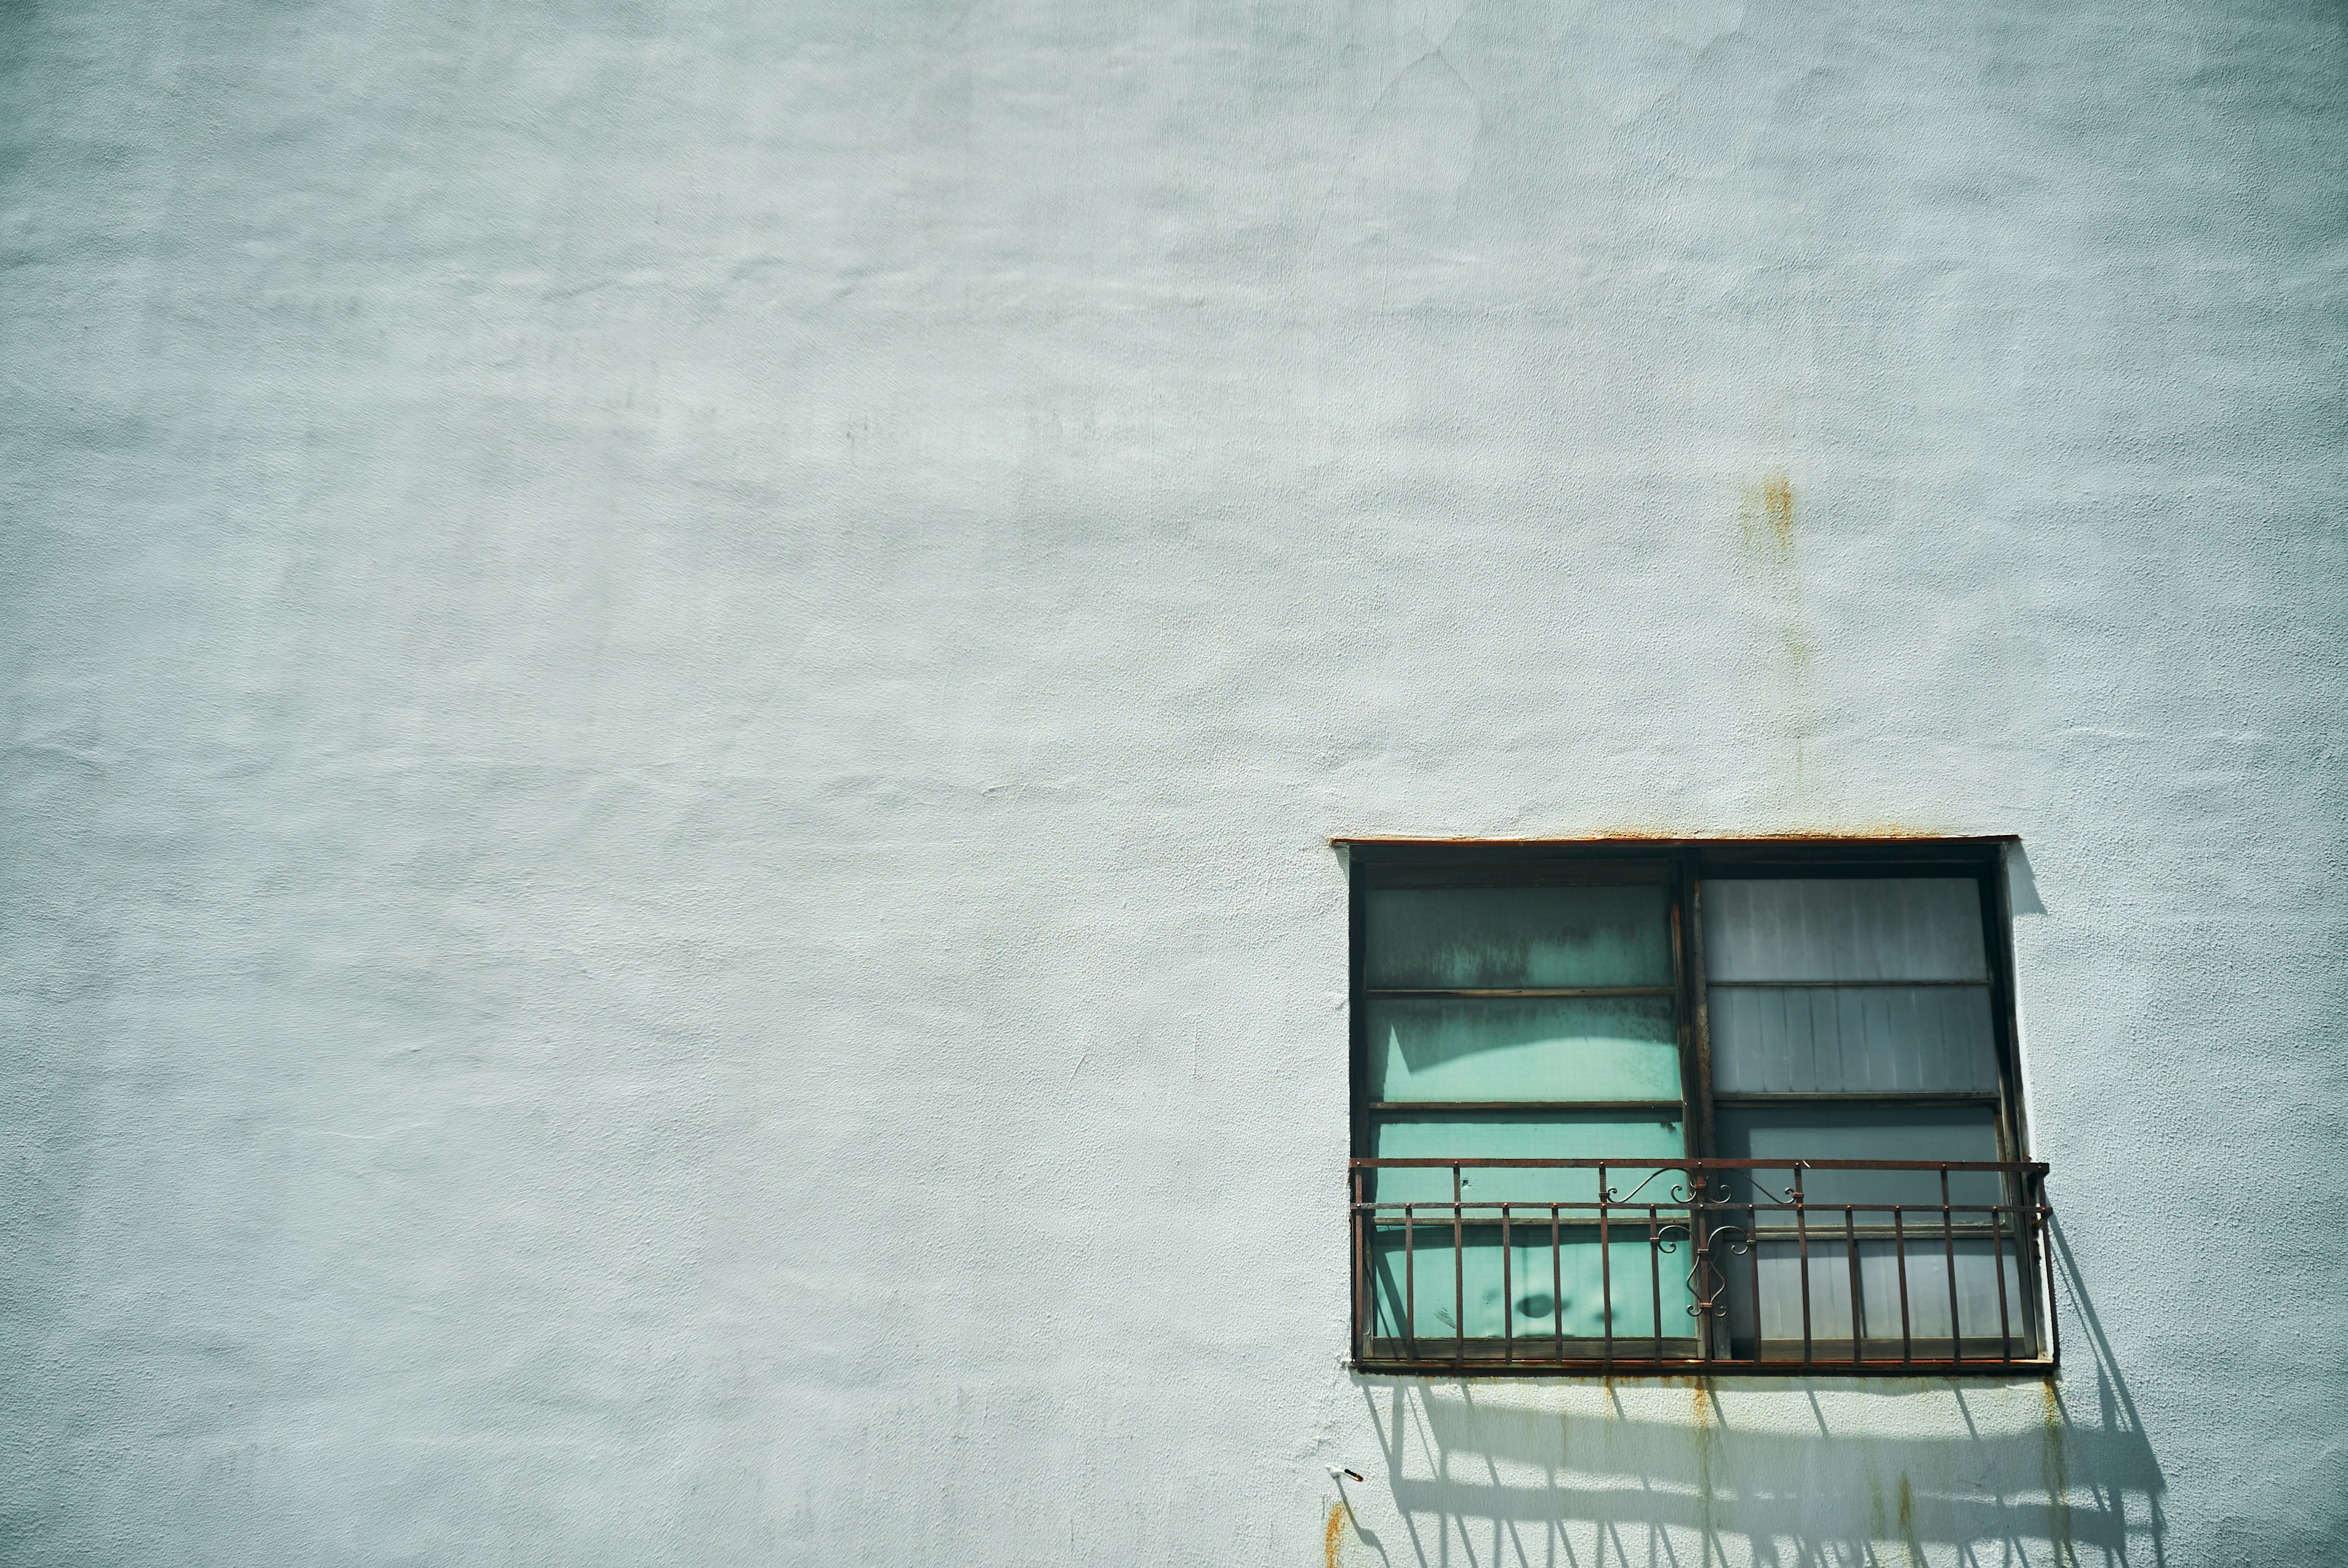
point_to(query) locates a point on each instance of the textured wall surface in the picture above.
(674, 678)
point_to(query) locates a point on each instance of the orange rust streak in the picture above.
(1777, 506)
(1335, 1534)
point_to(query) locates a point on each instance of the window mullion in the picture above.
(1687, 926)
(1687, 913)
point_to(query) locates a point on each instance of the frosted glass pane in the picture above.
(1979, 1263)
(1916, 1038)
(1558, 1135)
(1476, 939)
(1855, 929)
(1491, 1048)
(1541, 1293)
(1864, 1133)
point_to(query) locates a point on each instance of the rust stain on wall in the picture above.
(1333, 1537)
(1859, 831)
(1854, 833)
(2057, 1471)
(1766, 527)
(1777, 506)
(1765, 512)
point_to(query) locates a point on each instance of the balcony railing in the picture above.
(1877, 1266)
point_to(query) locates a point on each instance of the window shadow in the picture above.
(1684, 1472)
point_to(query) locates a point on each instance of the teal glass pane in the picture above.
(1631, 1137)
(1499, 938)
(1541, 1293)
(1519, 1048)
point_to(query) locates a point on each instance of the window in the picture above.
(1706, 1106)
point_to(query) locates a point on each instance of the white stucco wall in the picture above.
(676, 675)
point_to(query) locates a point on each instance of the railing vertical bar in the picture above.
(1949, 1246)
(1357, 1183)
(1699, 1275)
(1409, 1285)
(1606, 1274)
(1507, 1293)
(1656, 1279)
(1900, 1249)
(1997, 1262)
(1753, 1252)
(1851, 1245)
(2040, 1214)
(1459, 1275)
(1555, 1282)
(1802, 1244)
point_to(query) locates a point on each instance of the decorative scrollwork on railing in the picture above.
(1681, 1191)
(1708, 1302)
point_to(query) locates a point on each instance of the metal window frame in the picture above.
(1684, 866)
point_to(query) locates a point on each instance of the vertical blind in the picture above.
(1851, 1020)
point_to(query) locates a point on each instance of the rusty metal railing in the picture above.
(1645, 1265)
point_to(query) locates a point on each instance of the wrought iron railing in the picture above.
(1701, 1266)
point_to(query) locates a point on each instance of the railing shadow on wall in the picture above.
(1490, 1475)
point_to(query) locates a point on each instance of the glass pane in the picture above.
(1777, 1264)
(1863, 1133)
(1554, 1135)
(1542, 1292)
(1493, 938)
(1916, 1038)
(1509, 1048)
(1849, 928)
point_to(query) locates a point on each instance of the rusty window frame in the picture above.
(1684, 866)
